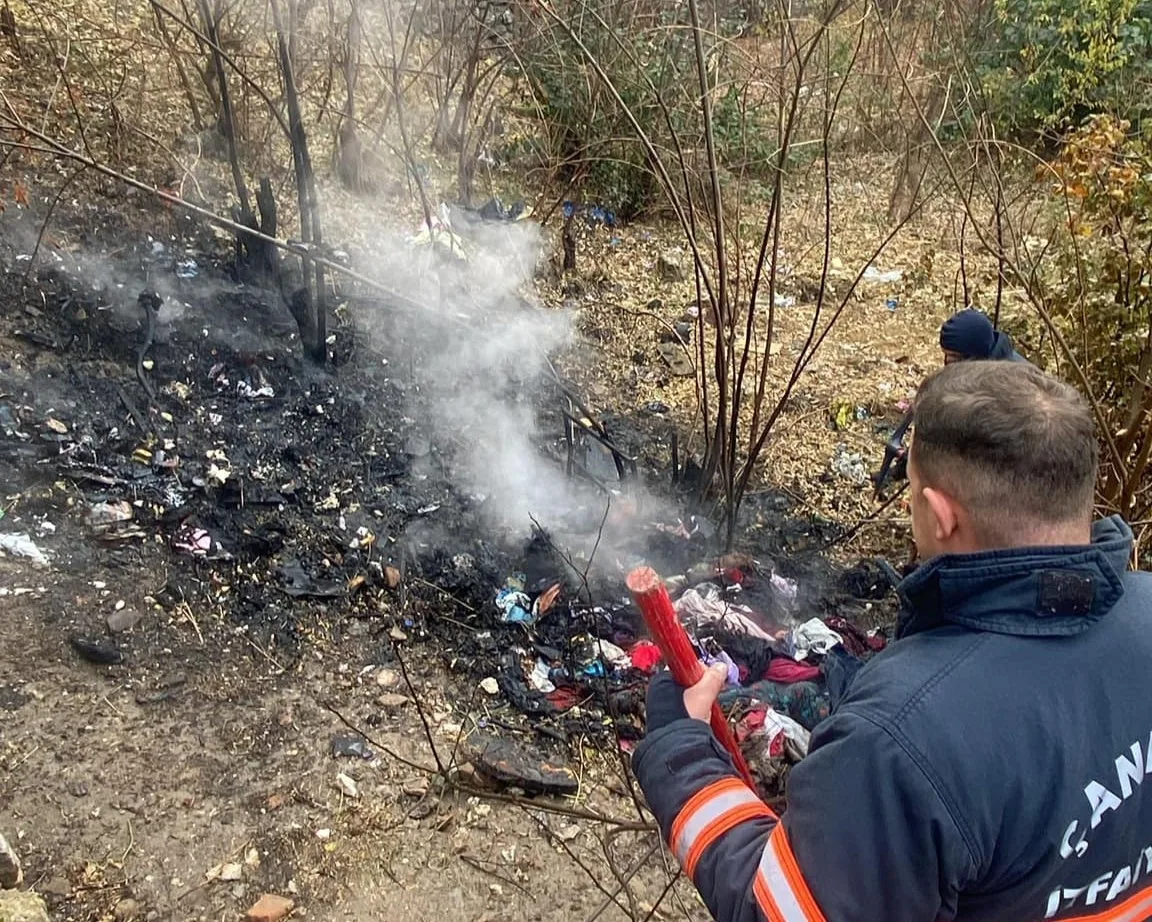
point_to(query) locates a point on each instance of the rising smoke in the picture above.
(481, 383)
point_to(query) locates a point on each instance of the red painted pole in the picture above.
(670, 636)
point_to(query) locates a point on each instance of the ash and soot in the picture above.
(438, 514)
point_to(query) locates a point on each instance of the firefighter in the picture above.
(989, 765)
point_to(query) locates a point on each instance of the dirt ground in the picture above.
(122, 809)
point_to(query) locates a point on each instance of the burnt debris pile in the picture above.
(434, 491)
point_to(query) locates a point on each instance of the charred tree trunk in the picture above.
(568, 238)
(307, 302)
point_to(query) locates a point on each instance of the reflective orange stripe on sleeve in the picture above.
(780, 889)
(711, 812)
(1134, 909)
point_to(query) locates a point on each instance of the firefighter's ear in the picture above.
(945, 511)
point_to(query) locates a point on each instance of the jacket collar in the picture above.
(1028, 591)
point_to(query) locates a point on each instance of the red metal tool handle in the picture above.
(652, 598)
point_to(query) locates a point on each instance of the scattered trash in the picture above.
(842, 413)
(779, 733)
(892, 303)
(244, 389)
(593, 214)
(101, 652)
(539, 678)
(495, 210)
(507, 763)
(784, 591)
(347, 786)
(872, 274)
(299, 585)
(230, 872)
(187, 269)
(514, 603)
(646, 656)
(704, 606)
(351, 747)
(490, 686)
(781, 300)
(849, 465)
(813, 636)
(21, 545)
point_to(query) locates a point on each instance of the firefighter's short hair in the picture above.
(1015, 446)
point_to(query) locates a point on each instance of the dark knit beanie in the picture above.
(970, 333)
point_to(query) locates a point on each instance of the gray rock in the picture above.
(124, 620)
(57, 887)
(676, 359)
(126, 911)
(10, 873)
(22, 906)
(669, 267)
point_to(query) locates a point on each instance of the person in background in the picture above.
(965, 336)
(989, 766)
(969, 334)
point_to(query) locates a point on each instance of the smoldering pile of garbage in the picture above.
(570, 659)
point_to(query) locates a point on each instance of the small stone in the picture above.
(387, 678)
(669, 268)
(22, 906)
(676, 359)
(347, 785)
(292, 888)
(123, 619)
(390, 701)
(397, 635)
(57, 887)
(231, 872)
(567, 833)
(392, 576)
(252, 859)
(416, 788)
(490, 686)
(126, 911)
(323, 834)
(11, 874)
(270, 908)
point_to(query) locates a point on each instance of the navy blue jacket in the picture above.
(1003, 349)
(988, 767)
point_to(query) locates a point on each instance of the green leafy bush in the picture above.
(1049, 63)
